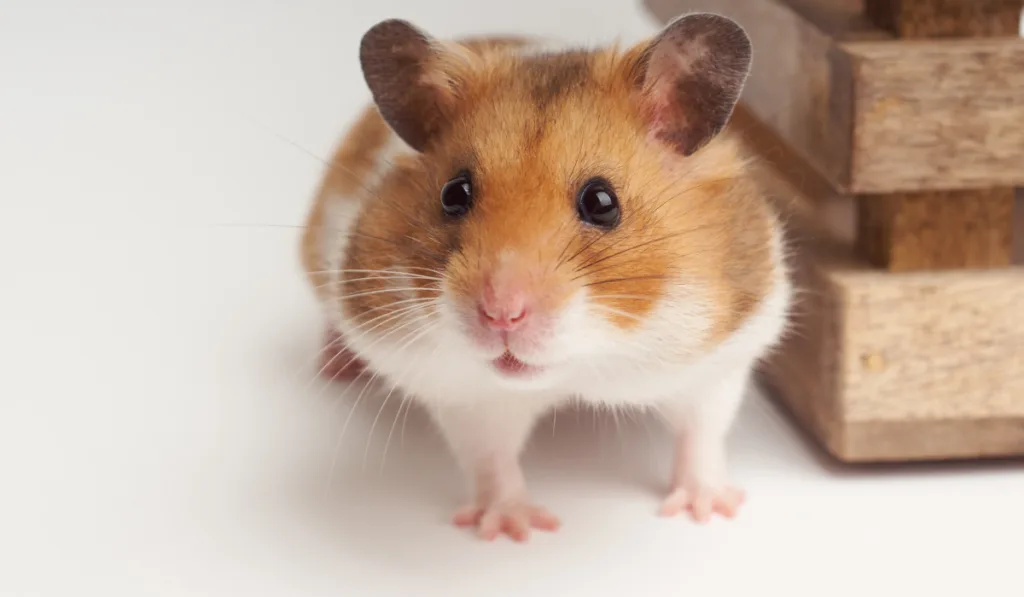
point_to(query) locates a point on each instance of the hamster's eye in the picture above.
(598, 205)
(457, 196)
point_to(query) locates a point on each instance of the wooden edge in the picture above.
(934, 440)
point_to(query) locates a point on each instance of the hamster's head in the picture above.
(558, 203)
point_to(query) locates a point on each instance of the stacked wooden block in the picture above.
(909, 339)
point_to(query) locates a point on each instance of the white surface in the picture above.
(158, 434)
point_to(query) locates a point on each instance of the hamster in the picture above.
(509, 227)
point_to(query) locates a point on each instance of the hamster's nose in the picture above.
(503, 311)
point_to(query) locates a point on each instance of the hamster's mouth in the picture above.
(508, 364)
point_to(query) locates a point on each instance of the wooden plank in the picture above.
(881, 366)
(937, 114)
(931, 346)
(937, 230)
(946, 18)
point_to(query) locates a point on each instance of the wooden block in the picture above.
(883, 366)
(874, 114)
(946, 18)
(937, 230)
(937, 115)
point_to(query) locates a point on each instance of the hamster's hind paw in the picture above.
(701, 501)
(514, 518)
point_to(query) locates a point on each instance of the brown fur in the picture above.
(531, 131)
(346, 173)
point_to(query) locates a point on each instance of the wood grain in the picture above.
(946, 18)
(935, 115)
(951, 344)
(937, 230)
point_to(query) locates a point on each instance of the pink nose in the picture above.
(504, 312)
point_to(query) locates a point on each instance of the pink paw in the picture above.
(702, 501)
(337, 362)
(514, 518)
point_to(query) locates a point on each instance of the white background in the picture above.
(159, 432)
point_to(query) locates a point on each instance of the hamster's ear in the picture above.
(690, 77)
(412, 78)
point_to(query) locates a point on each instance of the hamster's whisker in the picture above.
(585, 266)
(426, 269)
(416, 335)
(257, 225)
(684, 192)
(627, 279)
(405, 417)
(391, 432)
(417, 300)
(359, 398)
(306, 363)
(385, 279)
(387, 318)
(342, 297)
(596, 271)
(359, 323)
(413, 314)
(614, 311)
(339, 283)
(629, 297)
(395, 273)
(424, 250)
(348, 419)
(586, 246)
(333, 165)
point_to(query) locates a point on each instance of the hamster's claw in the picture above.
(701, 502)
(514, 518)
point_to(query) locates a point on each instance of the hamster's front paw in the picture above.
(336, 361)
(514, 517)
(702, 500)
